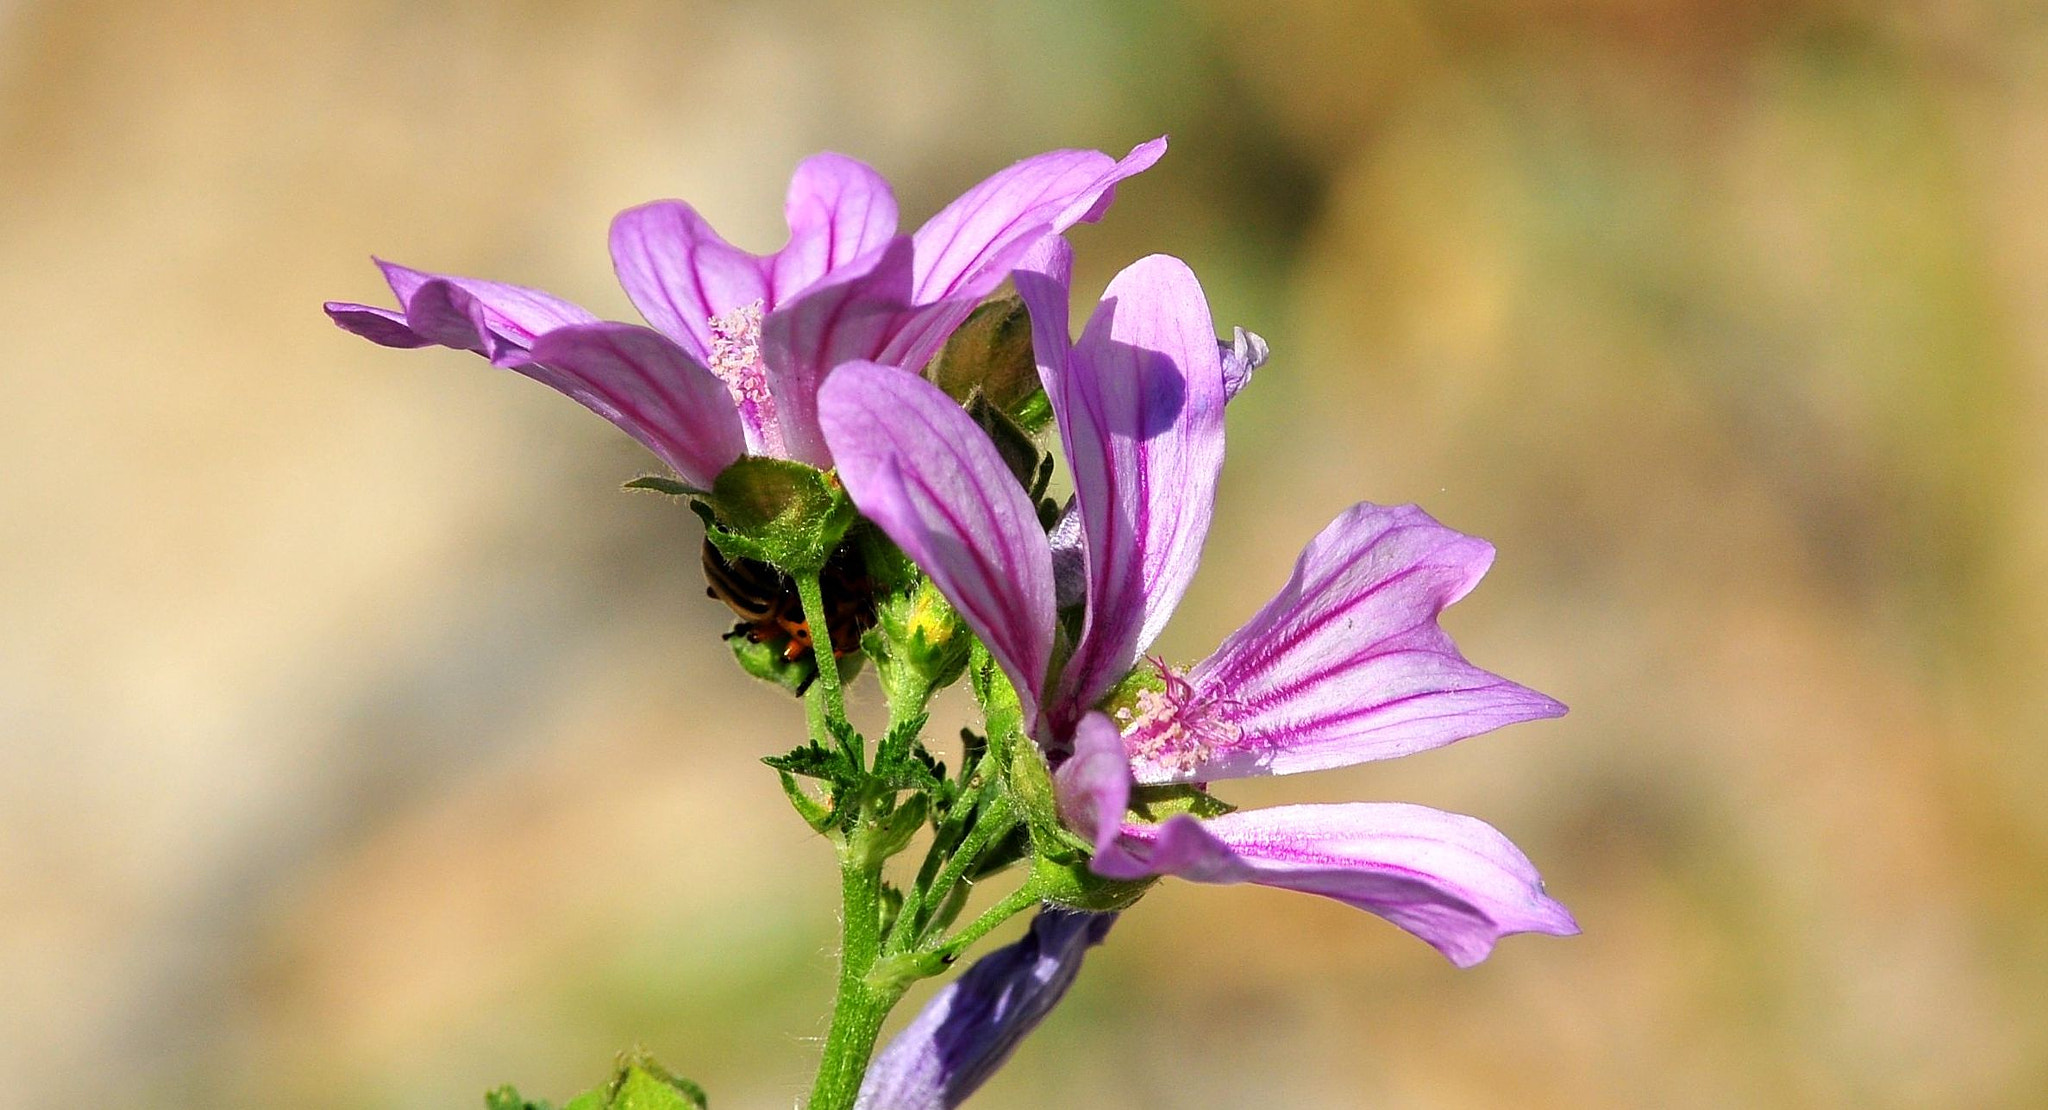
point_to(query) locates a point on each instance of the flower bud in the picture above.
(919, 644)
(779, 512)
(991, 355)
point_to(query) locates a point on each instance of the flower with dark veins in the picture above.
(740, 342)
(1346, 664)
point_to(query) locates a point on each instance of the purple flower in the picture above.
(741, 342)
(1345, 665)
(973, 1024)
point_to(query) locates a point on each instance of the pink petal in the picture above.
(641, 381)
(1094, 785)
(491, 318)
(920, 468)
(838, 210)
(680, 273)
(1347, 664)
(964, 249)
(382, 326)
(849, 318)
(1140, 408)
(1454, 881)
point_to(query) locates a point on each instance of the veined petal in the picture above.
(1045, 280)
(490, 318)
(920, 468)
(1093, 787)
(851, 317)
(641, 381)
(1452, 880)
(680, 273)
(838, 209)
(385, 327)
(964, 249)
(1347, 664)
(1140, 410)
(973, 1024)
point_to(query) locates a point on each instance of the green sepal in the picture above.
(1073, 885)
(990, 353)
(657, 483)
(1123, 697)
(1030, 786)
(1002, 714)
(1154, 804)
(779, 512)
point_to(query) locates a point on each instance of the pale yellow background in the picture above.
(362, 746)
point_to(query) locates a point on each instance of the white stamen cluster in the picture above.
(1173, 728)
(736, 359)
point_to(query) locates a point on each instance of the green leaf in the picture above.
(813, 761)
(659, 484)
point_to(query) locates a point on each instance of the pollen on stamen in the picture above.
(736, 358)
(1175, 729)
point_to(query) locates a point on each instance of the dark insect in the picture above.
(769, 608)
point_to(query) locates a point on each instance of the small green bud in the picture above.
(507, 1098)
(767, 660)
(643, 1084)
(919, 644)
(990, 354)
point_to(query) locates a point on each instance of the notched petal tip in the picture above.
(382, 326)
(1348, 663)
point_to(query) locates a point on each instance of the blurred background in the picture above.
(363, 746)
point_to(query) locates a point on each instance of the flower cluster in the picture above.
(858, 426)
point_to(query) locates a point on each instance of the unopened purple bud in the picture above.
(970, 1027)
(1246, 352)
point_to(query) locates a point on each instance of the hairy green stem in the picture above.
(994, 821)
(1018, 900)
(812, 593)
(858, 1011)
